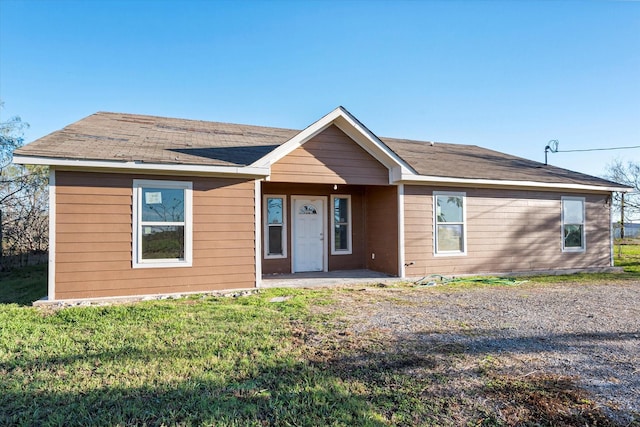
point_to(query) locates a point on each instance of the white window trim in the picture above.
(435, 223)
(137, 262)
(349, 249)
(583, 248)
(266, 226)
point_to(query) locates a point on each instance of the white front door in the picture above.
(308, 233)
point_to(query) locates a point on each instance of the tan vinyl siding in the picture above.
(93, 237)
(330, 157)
(507, 231)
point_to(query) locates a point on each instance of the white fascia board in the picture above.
(371, 143)
(424, 179)
(249, 171)
(350, 126)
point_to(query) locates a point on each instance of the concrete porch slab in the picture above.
(324, 278)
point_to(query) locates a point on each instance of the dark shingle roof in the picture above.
(473, 162)
(130, 137)
(151, 139)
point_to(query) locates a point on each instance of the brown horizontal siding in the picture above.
(506, 231)
(94, 237)
(352, 261)
(382, 229)
(330, 157)
(107, 288)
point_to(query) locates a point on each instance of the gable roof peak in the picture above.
(353, 128)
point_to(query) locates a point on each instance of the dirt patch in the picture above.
(562, 354)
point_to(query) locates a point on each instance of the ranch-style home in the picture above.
(144, 205)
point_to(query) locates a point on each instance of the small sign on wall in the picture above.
(153, 198)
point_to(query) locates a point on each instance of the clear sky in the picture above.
(505, 75)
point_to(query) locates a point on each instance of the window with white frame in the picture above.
(275, 235)
(162, 223)
(341, 225)
(573, 220)
(450, 223)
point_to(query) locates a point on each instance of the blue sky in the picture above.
(504, 75)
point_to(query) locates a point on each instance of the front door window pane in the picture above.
(275, 228)
(341, 225)
(275, 240)
(274, 210)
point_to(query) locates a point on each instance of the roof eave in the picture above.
(138, 166)
(444, 180)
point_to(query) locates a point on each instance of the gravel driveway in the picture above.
(588, 332)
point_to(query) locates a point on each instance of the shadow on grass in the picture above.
(464, 370)
(298, 394)
(413, 381)
(23, 285)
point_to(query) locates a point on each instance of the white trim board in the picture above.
(401, 251)
(424, 179)
(51, 277)
(258, 234)
(248, 171)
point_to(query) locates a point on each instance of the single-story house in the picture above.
(144, 205)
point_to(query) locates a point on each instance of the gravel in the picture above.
(590, 332)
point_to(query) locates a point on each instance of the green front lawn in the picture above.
(224, 361)
(193, 361)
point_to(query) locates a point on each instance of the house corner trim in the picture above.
(51, 279)
(258, 231)
(401, 254)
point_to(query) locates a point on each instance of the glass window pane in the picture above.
(275, 240)
(449, 208)
(164, 242)
(274, 210)
(450, 238)
(341, 239)
(163, 204)
(573, 236)
(573, 213)
(341, 209)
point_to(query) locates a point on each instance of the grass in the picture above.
(197, 361)
(24, 285)
(248, 361)
(627, 255)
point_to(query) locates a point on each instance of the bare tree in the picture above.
(23, 196)
(627, 205)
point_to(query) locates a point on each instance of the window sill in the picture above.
(574, 250)
(180, 264)
(445, 254)
(341, 253)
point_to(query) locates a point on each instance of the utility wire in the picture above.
(597, 149)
